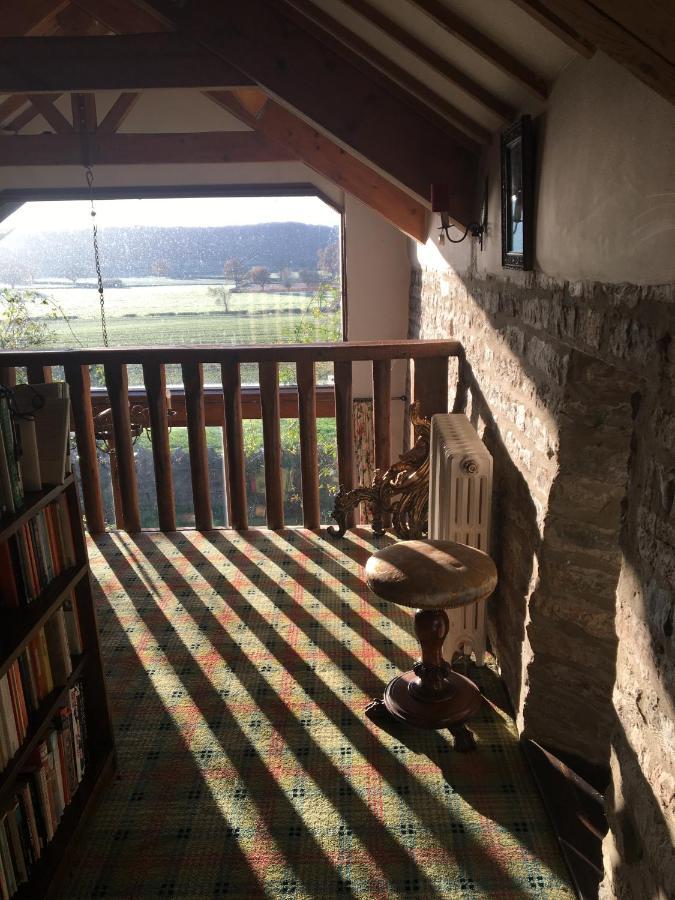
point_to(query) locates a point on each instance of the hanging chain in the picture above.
(97, 260)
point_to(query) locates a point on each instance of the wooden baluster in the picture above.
(193, 381)
(269, 401)
(39, 374)
(79, 383)
(154, 376)
(309, 458)
(8, 376)
(344, 425)
(382, 419)
(430, 384)
(116, 380)
(382, 412)
(234, 444)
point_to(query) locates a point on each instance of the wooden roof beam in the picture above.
(121, 16)
(320, 153)
(139, 149)
(50, 113)
(433, 103)
(429, 57)
(343, 95)
(608, 34)
(118, 112)
(27, 115)
(29, 16)
(123, 63)
(11, 105)
(557, 26)
(479, 43)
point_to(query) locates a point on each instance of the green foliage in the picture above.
(26, 317)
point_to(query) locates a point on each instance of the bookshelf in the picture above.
(21, 628)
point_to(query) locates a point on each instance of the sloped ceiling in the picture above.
(384, 97)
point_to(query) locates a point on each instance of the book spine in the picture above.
(10, 452)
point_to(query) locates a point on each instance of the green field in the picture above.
(184, 314)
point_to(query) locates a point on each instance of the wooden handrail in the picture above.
(347, 351)
(225, 405)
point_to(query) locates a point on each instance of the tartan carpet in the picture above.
(238, 667)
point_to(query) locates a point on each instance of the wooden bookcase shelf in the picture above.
(17, 628)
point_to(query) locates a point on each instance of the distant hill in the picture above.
(171, 252)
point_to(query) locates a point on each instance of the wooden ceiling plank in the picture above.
(118, 112)
(124, 63)
(336, 91)
(29, 16)
(561, 29)
(481, 44)
(651, 21)
(140, 149)
(122, 16)
(324, 156)
(613, 39)
(433, 102)
(27, 115)
(432, 59)
(48, 111)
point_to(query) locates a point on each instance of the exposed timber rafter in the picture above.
(317, 151)
(431, 103)
(334, 89)
(118, 112)
(141, 149)
(50, 113)
(29, 16)
(434, 60)
(611, 33)
(480, 43)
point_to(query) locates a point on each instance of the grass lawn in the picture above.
(180, 314)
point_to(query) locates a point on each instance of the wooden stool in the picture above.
(431, 576)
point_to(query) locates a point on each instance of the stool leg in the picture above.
(431, 628)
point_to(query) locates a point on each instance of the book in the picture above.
(52, 425)
(29, 460)
(10, 453)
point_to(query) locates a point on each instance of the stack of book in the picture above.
(11, 483)
(42, 793)
(35, 442)
(45, 664)
(38, 552)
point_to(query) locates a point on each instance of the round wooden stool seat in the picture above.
(432, 576)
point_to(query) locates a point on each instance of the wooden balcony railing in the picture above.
(226, 405)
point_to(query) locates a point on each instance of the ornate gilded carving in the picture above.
(402, 490)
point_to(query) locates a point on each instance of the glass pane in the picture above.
(515, 197)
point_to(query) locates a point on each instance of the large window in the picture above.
(180, 271)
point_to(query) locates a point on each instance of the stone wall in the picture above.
(573, 394)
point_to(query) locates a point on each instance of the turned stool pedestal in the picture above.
(432, 576)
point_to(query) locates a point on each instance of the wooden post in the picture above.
(79, 384)
(8, 376)
(382, 412)
(154, 376)
(430, 384)
(39, 374)
(309, 462)
(269, 401)
(234, 443)
(344, 425)
(117, 383)
(193, 381)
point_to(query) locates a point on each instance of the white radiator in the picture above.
(460, 495)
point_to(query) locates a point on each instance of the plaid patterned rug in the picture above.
(239, 666)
